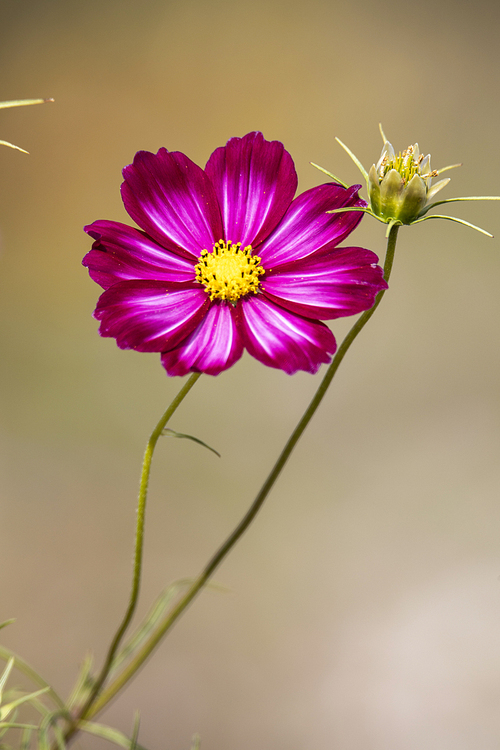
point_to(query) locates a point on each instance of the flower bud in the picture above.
(399, 186)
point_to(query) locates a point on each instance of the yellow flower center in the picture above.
(229, 272)
(407, 164)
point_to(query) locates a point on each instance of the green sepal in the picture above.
(172, 433)
(453, 218)
(366, 210)
(355, 159)
(329, 174)
(455, 200)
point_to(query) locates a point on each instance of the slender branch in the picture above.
(139, 542)
(221, 553)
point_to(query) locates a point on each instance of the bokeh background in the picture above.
(363, 610)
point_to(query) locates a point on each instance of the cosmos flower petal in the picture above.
(211, 348)
(148, 317)
(278, 338)
(332, 284)
(307, 227)
(122, 253)
(172, 199)
(255, 181)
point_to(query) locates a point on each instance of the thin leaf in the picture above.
(108, 733)
(23, 102)
(355, 159)
(7, 622)
(83, 683)
(25, 668)
(43, 739)
(172, 433)
(466, 198)
(135, 731)
(59, 735)
(17, 725)
(454, 218)
(26, 738)
(154, 615)
(196, 742)
(8, 707)
(11, 145)
(5, 675)
(325, 171)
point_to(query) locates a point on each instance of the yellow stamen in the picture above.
(229, 272)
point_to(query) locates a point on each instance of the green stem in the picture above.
(221, 553)
(85, 711)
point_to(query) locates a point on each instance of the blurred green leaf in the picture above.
(25, 668)
(83, 684)
(109, 734)
(172, 433)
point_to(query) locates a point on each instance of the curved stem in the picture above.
(221, 553)
(139, 543)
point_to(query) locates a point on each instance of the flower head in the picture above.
(226, 259)
(399, 186)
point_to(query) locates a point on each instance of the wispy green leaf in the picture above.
(8, 707)
(5, 675)
(154, 615)
(109, 734)
(7, 622)
(26, 737)
(172, 433)
(83, 684)
(27, 670)
(135, 731)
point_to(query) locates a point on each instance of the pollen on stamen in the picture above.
(228, 272)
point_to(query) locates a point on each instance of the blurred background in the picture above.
(363, 610)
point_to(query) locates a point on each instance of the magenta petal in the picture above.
(278, 338)
(148, 317)
(122, 253)
(308, 228)
(214, 346)
(255, 181)
(327, 285)
(173, 200)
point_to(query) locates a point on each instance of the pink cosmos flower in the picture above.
(226, 259)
